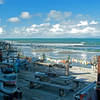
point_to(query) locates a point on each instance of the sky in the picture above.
(50, 18)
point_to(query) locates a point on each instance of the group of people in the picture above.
(22, 63)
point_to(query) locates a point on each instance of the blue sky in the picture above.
(50, 18)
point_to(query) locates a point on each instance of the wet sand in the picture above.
(43, 50)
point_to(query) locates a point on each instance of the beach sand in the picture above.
(85, 74)
(43, 50)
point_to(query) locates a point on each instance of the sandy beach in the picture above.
(43, 50)
(85, 75)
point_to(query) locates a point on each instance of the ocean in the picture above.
(88, 41)
(59, 48)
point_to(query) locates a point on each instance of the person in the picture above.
(43, 57)
(94, 63)
(17, 65)
(27, 64)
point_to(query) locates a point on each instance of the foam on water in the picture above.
(75, 47)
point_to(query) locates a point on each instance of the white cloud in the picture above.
(83, 23)
(1, 1)
(14, 19)
(57, 15)
(59, 25)
(33, 30)
(19, 31)
(56, 28)
(93, 22)
(1, 30)
(25, 15)
(41, 28)
(84, 30)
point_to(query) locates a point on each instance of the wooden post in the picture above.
(67, 69)
(67, 64)
(0, 56)
(50, 68)
(98, 79)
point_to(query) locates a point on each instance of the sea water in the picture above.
(60, 48)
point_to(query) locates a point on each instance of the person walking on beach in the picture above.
(28, 64)
(94, 63)
(17, 65)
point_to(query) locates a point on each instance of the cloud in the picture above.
(83, 23)
(84, 30)
(57, 15)
(33, 30)
(14, 19)
(25, 15)
(93, 22)
(1, 1)
(59, 24)
(1, 30)
(56, 28)
(41, 28)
